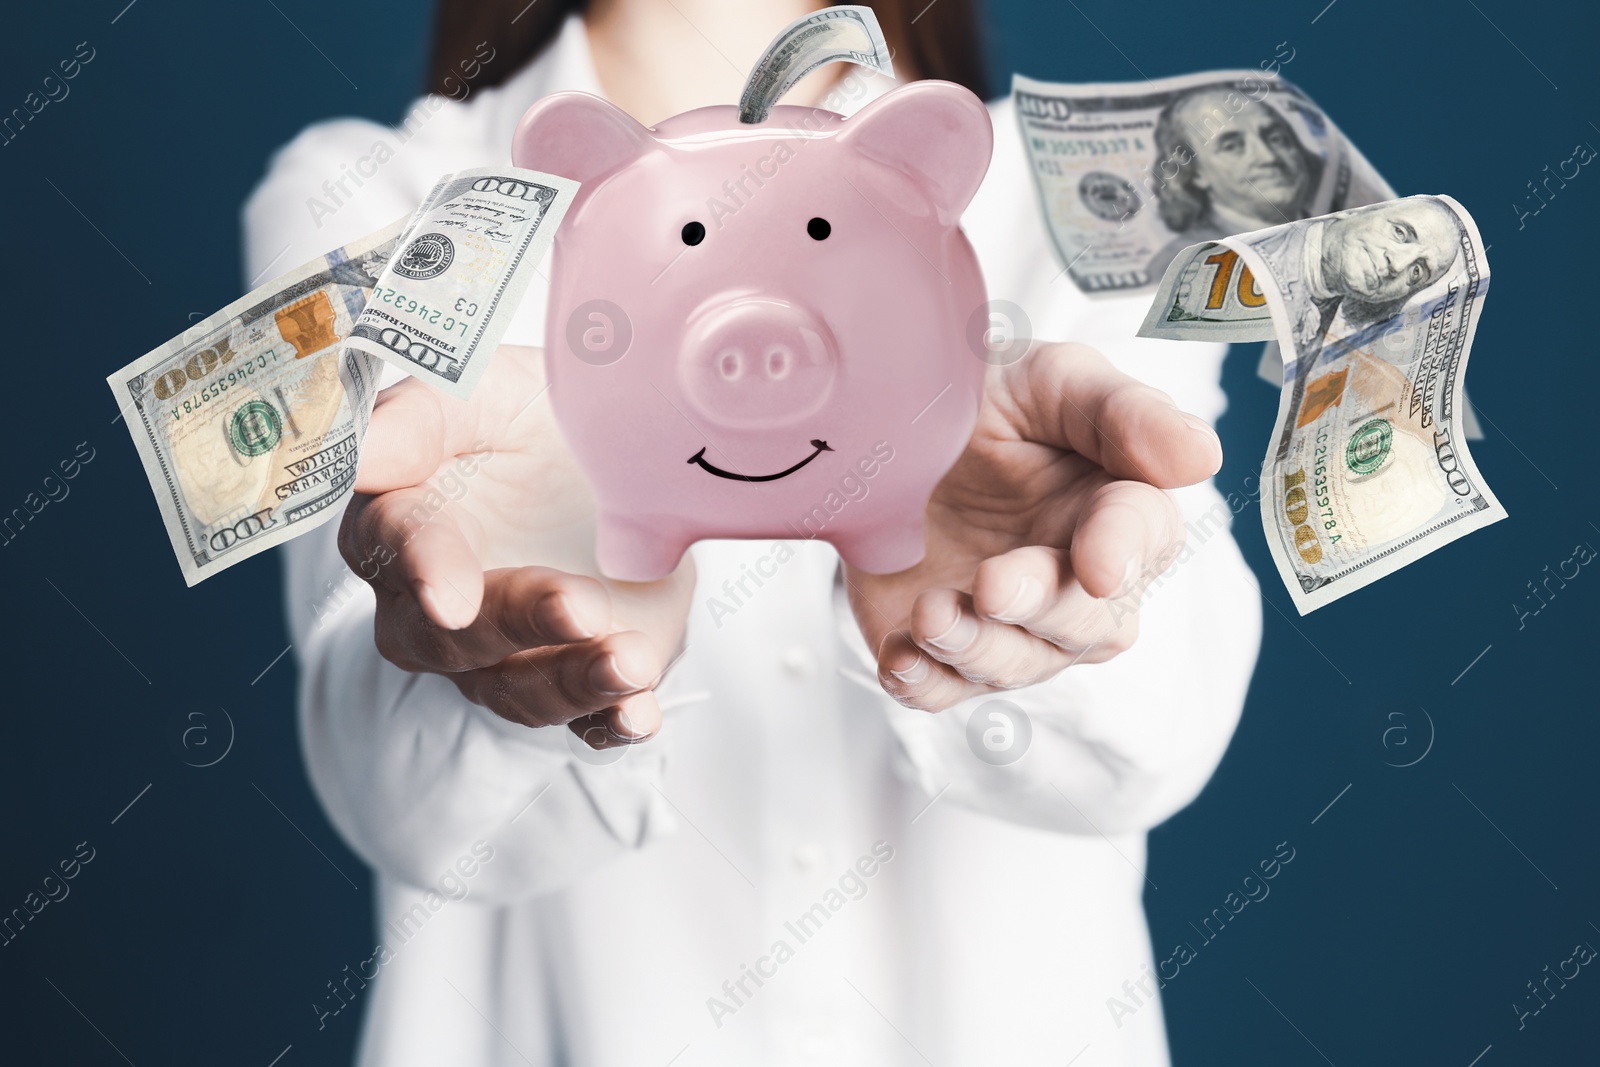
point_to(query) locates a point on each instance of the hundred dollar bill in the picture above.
(845, 33)
(1129, 174)
(249, 424)
(444, 301)
(1374, 309)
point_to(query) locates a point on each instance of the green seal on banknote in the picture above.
(1369, 446)
(255, 429)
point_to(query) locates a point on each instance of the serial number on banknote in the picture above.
(1058, 147)
(216, 388)
(431, 316)
(1322, 488)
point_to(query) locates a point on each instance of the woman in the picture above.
(804, 865)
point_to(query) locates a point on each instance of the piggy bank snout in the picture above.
(757, 363)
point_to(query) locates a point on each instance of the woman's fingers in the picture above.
(916, 679)
(1028, 617)
(1086, 596)
(529, 643)
(414, 429)
(945, 625)
(1128, 532)
(524, 642)
(1071, 397)
(635, 718)
(403, 543)
(558, 684)
(1034, 590)
(522, 608)
(530, 606)
(1068, 627)
(437, 608)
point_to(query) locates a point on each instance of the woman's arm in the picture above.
(1129, 731)
(410, 770)
(1120, 746)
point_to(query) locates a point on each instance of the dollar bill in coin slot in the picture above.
(845, 33)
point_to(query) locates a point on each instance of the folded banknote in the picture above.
(1374, 310)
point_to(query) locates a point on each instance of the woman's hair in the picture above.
(939, 40)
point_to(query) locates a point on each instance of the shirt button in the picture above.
(798, 661)
(808, 857)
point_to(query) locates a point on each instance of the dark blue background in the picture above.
(1416, 907)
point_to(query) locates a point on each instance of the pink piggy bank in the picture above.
(763, 330)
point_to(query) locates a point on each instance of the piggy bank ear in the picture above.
(936, 132)
(577, 136)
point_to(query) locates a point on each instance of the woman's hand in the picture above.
(455, 499)
(1042, 536)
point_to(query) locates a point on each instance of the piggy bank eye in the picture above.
(693, 233)
(819, 229)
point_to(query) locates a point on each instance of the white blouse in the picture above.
(798, 869)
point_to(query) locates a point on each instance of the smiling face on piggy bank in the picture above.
(760, 330)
